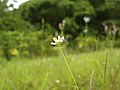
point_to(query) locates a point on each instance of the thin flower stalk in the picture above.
(71, 74)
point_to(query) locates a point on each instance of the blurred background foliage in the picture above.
(28, 31)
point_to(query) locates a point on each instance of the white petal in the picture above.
(64, 21)
(53, 43)
(63, 38)
(55, 39)
(59, 38)
(60, 26)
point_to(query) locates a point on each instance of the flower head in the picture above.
(57, 40)
(86, 19)
(64, 22)
(85, 30)
(62, 25)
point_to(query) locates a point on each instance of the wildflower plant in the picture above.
(57, 42)
(62, 26)
(86, 20)
(111, 31)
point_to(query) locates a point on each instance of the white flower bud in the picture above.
(86, 19)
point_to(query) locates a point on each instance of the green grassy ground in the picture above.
(28, 74)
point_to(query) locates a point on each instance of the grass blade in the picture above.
(105, 68)
(91, 81)
(44, 82)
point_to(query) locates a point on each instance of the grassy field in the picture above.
(29, 74)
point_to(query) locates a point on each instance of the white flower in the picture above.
(86, 19)
(64, 22)
(85, 31)
(62, 25)
(57, 41)
(57, 81)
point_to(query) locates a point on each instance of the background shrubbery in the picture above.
(28, 31)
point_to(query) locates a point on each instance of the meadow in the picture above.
(86, 32)
(98, 70)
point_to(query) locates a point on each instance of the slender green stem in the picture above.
(105, 68)
(86, 27)
(43, 84)
(69, 68)
(62, 32)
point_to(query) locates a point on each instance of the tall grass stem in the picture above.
(105, 68)
(44, 82)
(91, 80)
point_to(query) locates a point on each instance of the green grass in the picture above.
(29, 74)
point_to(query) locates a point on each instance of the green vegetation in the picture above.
(84, 56)
(24, 74)
(35, 23)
